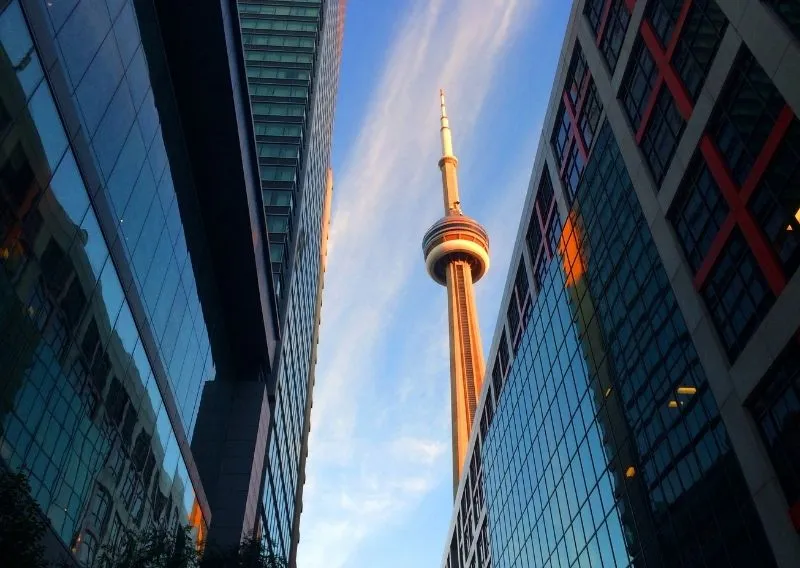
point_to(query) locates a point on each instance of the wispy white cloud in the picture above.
(418, 450)
(380, 435)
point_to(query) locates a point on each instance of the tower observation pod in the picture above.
(456, 250)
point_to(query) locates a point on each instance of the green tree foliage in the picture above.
(160, 548)
(22, 524)
(155, 548)
(250, 554)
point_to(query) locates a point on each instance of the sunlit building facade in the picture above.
(120, 300)
(642, 403)
(292, 52)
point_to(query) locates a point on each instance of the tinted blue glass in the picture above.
(114, 7)
(127, 32)
(78, 400)
(126, 328)
(125, 173)
(135, 213)
(91, 239)
(67, 188)
(148, 241)
(18, 46)
(97, 86)
(297, 289)
(148, 117)
(158, 164)
(138, 79)
(83, 32)
(112, 131)
(160, 285)
(133, 163)
(607, 447)
(48, 123)
(59, 11)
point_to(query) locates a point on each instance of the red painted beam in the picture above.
(572, 130)
(679, 23)
(550, 209)
(740, 215)
(542, 228)
(719, 171)
(648, 110)
(713, 252)
(548, 220)
(765, 156)
(601, 28)
(574, 115)
(666, 72)
(574, 136)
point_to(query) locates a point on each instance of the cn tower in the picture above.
(456, 252)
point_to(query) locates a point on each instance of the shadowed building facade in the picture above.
(456, 250)
(292, 51)
(122, 295)
(644, 377)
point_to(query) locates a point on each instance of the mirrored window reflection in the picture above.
(126, 172)
(17, 47)
(80, 408)
(98, 84)
(126, 31)
(48, 124)
(111, 80)
(67, 189)
(775, 405)
(84, 30)
(607, 448)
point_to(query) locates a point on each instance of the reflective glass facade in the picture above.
(677, 42)
(292, 48)
(103, 345)
(646, 411)
(597, 454)
(750, 149)
(775, 407)
(281, 48)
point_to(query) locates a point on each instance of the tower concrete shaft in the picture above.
(456, 255)
(466, 359)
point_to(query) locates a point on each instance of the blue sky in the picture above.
(378, 490)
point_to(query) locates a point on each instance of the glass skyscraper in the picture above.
(643, 397)
(94, 405)
(292, 52)
(122, 296)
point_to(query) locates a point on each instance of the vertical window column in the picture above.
(677, 44)
(736, 212)
(518, 306)
(609, 20)
(544, 211)
(578, 116)
(775, 406)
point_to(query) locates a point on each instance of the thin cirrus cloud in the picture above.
(380, 438)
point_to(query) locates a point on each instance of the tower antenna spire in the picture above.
(448, 163)
(447, 138)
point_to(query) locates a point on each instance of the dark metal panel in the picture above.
(223, 218)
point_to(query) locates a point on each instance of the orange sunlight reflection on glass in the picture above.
(198, 524)
(569, 247)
